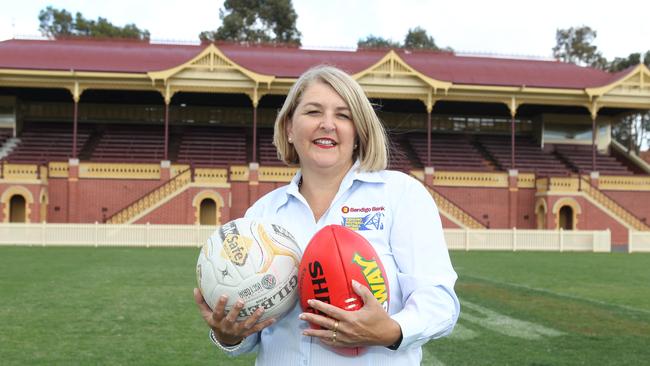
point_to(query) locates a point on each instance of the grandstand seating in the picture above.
(42, 143)
(529, 156)
(267, 154)
(402, 157)
(213, 146)
(449, 152)
(203, 146)
(129, 143)
(579, 157)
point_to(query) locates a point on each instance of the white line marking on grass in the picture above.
(462, 333)
(559, 294)
(504, 324)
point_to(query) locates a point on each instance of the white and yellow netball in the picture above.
(250, 260)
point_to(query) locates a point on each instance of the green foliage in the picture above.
(418, 38)
(256, 21)
(55, 23)
(622, 63)
(574, 45)
(633, 131)
(372, 41)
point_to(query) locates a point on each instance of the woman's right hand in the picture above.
(226, 328)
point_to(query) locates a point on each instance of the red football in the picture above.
(334, 257)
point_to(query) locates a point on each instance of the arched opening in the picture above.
(540, 214)
(208, 212)
(43, 206)
(17, 209)
(566, 217)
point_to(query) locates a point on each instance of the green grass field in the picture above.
(83, 306)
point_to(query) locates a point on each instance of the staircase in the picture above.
(615, 210)
(451, 210)
(152, 199)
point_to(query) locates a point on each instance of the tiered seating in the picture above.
(449, 152)
(213, 146)
(529, 157)
(400, 158)
(267, 153)
(130, 143)
(580, 156)
(41, 143)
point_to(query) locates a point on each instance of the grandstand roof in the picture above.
(289, 62)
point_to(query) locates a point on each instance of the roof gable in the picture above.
(392, 77)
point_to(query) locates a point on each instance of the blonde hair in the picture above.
(372, 150)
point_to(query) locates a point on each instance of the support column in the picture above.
(428, 168)
(254, 160)
(72, 211)
(428, 137)
(593, 143)
(76, 96)
(75, 118)
(166, 136)
(593, 110)
(165, 170)
(513, 113)
(253, 183)
(513, 194)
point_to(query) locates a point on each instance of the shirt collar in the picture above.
(355, 173)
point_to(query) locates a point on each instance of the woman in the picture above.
(328, 128)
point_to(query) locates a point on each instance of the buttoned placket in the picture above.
(344, 191)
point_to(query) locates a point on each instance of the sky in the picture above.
(516, 28)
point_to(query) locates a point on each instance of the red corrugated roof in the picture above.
(140, 57)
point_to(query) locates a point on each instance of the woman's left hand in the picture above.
(368, 326)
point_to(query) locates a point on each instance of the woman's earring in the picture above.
(290, 140)
(355, 146)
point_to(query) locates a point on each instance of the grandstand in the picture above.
(135, 132)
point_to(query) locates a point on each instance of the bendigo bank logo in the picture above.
(374, 277)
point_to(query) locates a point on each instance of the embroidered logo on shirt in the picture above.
(366, 218)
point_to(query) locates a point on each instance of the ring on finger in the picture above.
(336, 326)
(334, 336)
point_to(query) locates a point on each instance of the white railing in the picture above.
(132, 235)
(105, 235)
(520, 240)
(639, 241)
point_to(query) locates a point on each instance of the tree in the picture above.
(377, 42)
(56, 23)
(256, 21)
(418, 38)
(633, 131)
(574, 45)
(620, 63)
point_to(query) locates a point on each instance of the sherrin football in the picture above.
(253, 261)
(333, 258)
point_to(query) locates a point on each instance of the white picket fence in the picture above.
(105, 235)
(521, 240)
(639, 241)
(102, 235)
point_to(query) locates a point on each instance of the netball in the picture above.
(253, 261)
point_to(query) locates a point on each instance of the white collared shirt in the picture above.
(396, 214)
